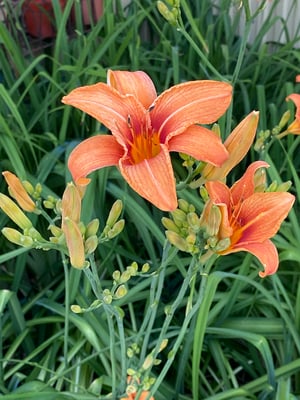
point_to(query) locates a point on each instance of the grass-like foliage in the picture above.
(144, 307)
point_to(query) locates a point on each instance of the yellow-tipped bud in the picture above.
(284, 119)
(76, 309)
(16, 237)
(145, 268)
(114, 213)
(17, 191)
(284, 186)
(170, 15)
(74, 243)
(179, 217)
(11, 209)
(193, 221)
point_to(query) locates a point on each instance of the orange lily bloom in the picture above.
(237, 144)
(249, 218)
(146, 127)
(143, 396)
(294, 127)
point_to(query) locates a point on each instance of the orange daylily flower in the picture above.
(18, 192)
(249, 218)
(297, 79)
(294, 127)
(143, 396)
(237, 144)
(146, 127)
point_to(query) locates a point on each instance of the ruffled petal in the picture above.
(245, 186)
(200, 143)
(137, 83)
(262, 214)
(266, 252)
(153, 179)
(94, 153)
(189, 103)
(237, 144)
(117, 112)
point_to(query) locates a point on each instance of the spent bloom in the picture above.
(146, 128)
(247, 218)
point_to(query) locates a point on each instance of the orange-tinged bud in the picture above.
(92, 228)
(18, 192)
(71, 203)
(211, 218)
(10, 208)
(74, 243)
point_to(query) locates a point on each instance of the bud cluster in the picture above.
(183, 228)
(170, 11)
(68, 233)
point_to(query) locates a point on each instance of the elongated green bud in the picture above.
(176, 240)
(114, 213)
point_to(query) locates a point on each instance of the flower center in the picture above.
(145, 145)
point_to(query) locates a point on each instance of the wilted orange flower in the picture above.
(294, 127)
(248, 218)
(237, 144)
(146, 127)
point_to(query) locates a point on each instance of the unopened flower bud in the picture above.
(114, 213)
(107, 296)
(16, 237)
(179, 217)
(284, 186)
(120, 292)
(91, 244)
(18, 192)
(176, 240)
(183, 205)
(116, 229)
(116, 275)
(284, 119)
(11, 209)
(170, 225)
(148, 362)
(125, 276)
(170, 15)
(92, 228)
(193, 221)
(74, 242)
(55, 230)
(145, 268)
(71, 203)
(76, 309)
(222, 245)
(211, 218)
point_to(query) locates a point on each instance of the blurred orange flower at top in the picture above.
(143, 396)
(297, 78)
(146, 127)
(294, 127)
(249, 218)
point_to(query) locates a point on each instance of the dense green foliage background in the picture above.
(251, 348)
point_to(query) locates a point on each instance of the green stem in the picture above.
(67, 307)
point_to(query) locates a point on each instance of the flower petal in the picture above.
(153, 179)
(200, 143)
(237, 144)
(262, 214)
(117, 112)
(295, 97)
(189, 103)
(266, 252)
(18, 192)
(137, 83)
(245, 186)
(218, 193)
(94, 153)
